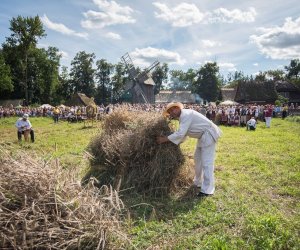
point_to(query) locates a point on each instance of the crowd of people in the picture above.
(234, 115)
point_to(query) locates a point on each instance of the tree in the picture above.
(6, 85)
(207, 85)
(183, 80)
(261, 77)
(103, 73)
(234, 78)
(160, 76)
(293, 69)
(26, 32)
(82, 73)
(177, 80)
(47, 78)
(64, 88)
(118, 80)
(12, 57)
(294, 72)
(276, 75)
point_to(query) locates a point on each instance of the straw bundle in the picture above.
(42, 207)
(128, 155)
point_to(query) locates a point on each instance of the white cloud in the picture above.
(255, 64)
(111, 13)
(227, 66)
(64, 55)
(280, 66)
(210, 43)
(201, 53)
(61, 28)
(280, 42)
(146, 56)
(182, 15)
(113, 35)
(186, 14)
(223, 15)
(222, 65)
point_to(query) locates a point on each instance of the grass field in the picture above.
(255, 206)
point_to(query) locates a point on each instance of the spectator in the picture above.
(243, 116)
(24, 127)
(284, 111)
(56, 113)
(251, 124)
(268, 115)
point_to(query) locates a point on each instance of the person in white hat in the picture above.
(196, 125)
(24, 127)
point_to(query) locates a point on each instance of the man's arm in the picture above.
(28, 125)
(18, 124)
(162, 139)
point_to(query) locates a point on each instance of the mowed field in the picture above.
(255, 206)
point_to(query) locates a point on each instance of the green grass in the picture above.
(255, 206)
(66, 141)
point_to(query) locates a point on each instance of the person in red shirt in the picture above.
(268, 115)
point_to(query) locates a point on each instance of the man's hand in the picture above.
(162, 139)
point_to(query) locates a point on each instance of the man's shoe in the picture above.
(200, 194)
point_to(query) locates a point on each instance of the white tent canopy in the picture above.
(229, 102)
(47, 106)
(63, 106)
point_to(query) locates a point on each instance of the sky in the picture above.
(248, 36)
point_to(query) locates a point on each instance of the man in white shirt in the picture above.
(24, 127)
(251, 124)
(196, 125)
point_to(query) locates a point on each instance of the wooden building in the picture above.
(79, 99)
(256, 92)
(288, 90)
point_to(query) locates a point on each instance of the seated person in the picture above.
(24, 127)
(251, 124)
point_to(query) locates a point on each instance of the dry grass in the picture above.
(128, 156)
(44, 207)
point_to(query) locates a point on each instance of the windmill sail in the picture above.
(140, 84)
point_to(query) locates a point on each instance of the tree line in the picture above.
(35, 74)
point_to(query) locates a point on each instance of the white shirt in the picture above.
(195, 125)
(23, 125)
(252, 122)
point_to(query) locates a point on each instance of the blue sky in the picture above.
(250, 36)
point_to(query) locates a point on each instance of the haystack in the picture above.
(44, 207)
(127, 155)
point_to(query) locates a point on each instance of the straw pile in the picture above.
(43, 207)
(127, 155)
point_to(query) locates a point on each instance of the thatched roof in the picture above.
(166, 96)
(285, 86)
(228, 93)
(250, 91)
(79, 99)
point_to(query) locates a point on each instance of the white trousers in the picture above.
(204, 168)
(268, 121)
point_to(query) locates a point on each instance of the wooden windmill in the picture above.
(141, 85)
